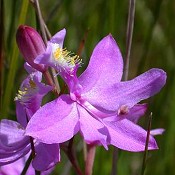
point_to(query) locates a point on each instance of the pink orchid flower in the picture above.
(13, 142)
(99, 105)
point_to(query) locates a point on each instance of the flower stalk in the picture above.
(129, 34)
(69, 151)
(27, 164)
(40, 18)
(146, 144)
(90, 159)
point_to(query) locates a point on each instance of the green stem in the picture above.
(40, 18)
(90, 159)
(129, 34)
(46, 34)
(37, 172)
(114, 161)
(34, 154)
(72, 158)
(52, 69)
(146, 145)
(27, 165)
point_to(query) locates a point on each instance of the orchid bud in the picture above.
(30, 45)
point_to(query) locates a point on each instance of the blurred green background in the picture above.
(153, 46)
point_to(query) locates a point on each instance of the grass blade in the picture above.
(13, 64)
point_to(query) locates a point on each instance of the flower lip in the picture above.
(64, 59)
(26, 93)
(124, 109)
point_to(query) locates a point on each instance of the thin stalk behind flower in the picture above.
(28, 162)
(54, 73)
(40, 18)
(129, 34)
(146, 145)
(46, 35)
(68, 150)
(37, 172)
(90, 159)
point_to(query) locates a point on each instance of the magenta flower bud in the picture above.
(30, 45)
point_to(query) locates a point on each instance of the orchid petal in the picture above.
(46, 156)
(33, 76)
(128, 136)
(92, 130)
(21, 114)
(55, 122)
(12, 136)
(105, 67)
(158, 131)
(127, 93)
(58, 38)
(29, 99)
(17, 167)
(43, 89)
(46, 58)
(6, 158)
(29, 68)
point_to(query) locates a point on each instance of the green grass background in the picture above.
(153, 46)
